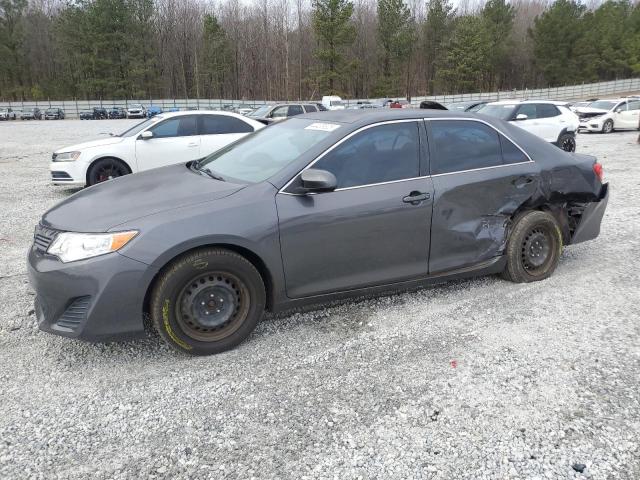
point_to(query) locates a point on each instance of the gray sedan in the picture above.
(314, 208)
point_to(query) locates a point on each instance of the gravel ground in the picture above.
(474, 379)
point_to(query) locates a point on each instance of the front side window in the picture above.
(378, 154)
(280, 112)
(546, 110)
(528, 109)
(622, 106)
(634, 105)
(295, 110)
(176, 127)
(222, 124)
(463, 145)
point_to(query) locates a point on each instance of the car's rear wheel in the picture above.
(607, 127)
(567, 142)
(106, 169)
(208, 301)
(534, 247)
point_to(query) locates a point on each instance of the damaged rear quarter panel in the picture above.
(472, 212)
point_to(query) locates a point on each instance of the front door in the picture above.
(372, 230)
(175, 140)
(628, 116)
(480, 178)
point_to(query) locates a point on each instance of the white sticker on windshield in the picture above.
(324, 127)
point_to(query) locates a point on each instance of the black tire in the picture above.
(534, 247)
(567, 142)
(607, 127)
(208, 301)
(106, 169)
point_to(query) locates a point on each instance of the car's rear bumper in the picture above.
(589, 226)
(98, 299)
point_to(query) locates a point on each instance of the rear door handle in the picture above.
(415, 197)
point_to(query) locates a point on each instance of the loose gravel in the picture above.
(470, 380)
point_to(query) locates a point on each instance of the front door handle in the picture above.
(416, 197)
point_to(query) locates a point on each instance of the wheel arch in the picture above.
(247, 253)
(104, 157)
(558, 211)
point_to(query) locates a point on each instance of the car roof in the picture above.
(376, 115)
(524, 102)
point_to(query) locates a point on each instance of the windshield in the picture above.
(260, 155)
(602, 105)
(52, 110)
(135, 105)
(261, 112)
(140, 126)
(503, 112)
(336, 103)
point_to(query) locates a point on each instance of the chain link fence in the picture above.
(73, 108)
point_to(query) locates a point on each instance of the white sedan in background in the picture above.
(608, 115)
(162, 140)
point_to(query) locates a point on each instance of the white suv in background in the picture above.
(608, 115)
(549, 120)
(136, 110)
(162, 140)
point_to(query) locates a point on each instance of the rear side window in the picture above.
(463, 145)
(511, 153)
(176, 127)
(295, 110)
(222, 124)
(310, 108)
(378, 154)
(546, 110)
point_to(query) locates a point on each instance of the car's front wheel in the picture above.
(534, 247)
(106, 169)
(607, 127)
(567, 142)
(207, 301)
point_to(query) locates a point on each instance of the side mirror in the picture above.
(317, 181)
(618, 110)
(521, 116)
(146, 135)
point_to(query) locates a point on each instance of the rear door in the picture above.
(175, 140)
(373, 229)
(480, 178)
(217, 131)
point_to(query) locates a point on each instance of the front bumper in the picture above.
(589, 226)
(98, 299)
(590, 125)
(136, 114)
(68, 173)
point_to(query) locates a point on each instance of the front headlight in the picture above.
(70, 246)
(66, 157)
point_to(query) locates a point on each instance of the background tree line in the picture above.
(298, 49)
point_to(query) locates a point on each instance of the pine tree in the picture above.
(437, 29)
(332, 25)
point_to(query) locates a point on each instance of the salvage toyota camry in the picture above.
(320, 206)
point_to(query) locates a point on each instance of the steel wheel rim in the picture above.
(212, 306)
(537, 250)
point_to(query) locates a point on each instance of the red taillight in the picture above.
(597, 169)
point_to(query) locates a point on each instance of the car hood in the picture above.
(102, 142)
(590, 110)
(106, 205)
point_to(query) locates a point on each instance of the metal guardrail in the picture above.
(73, 108)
